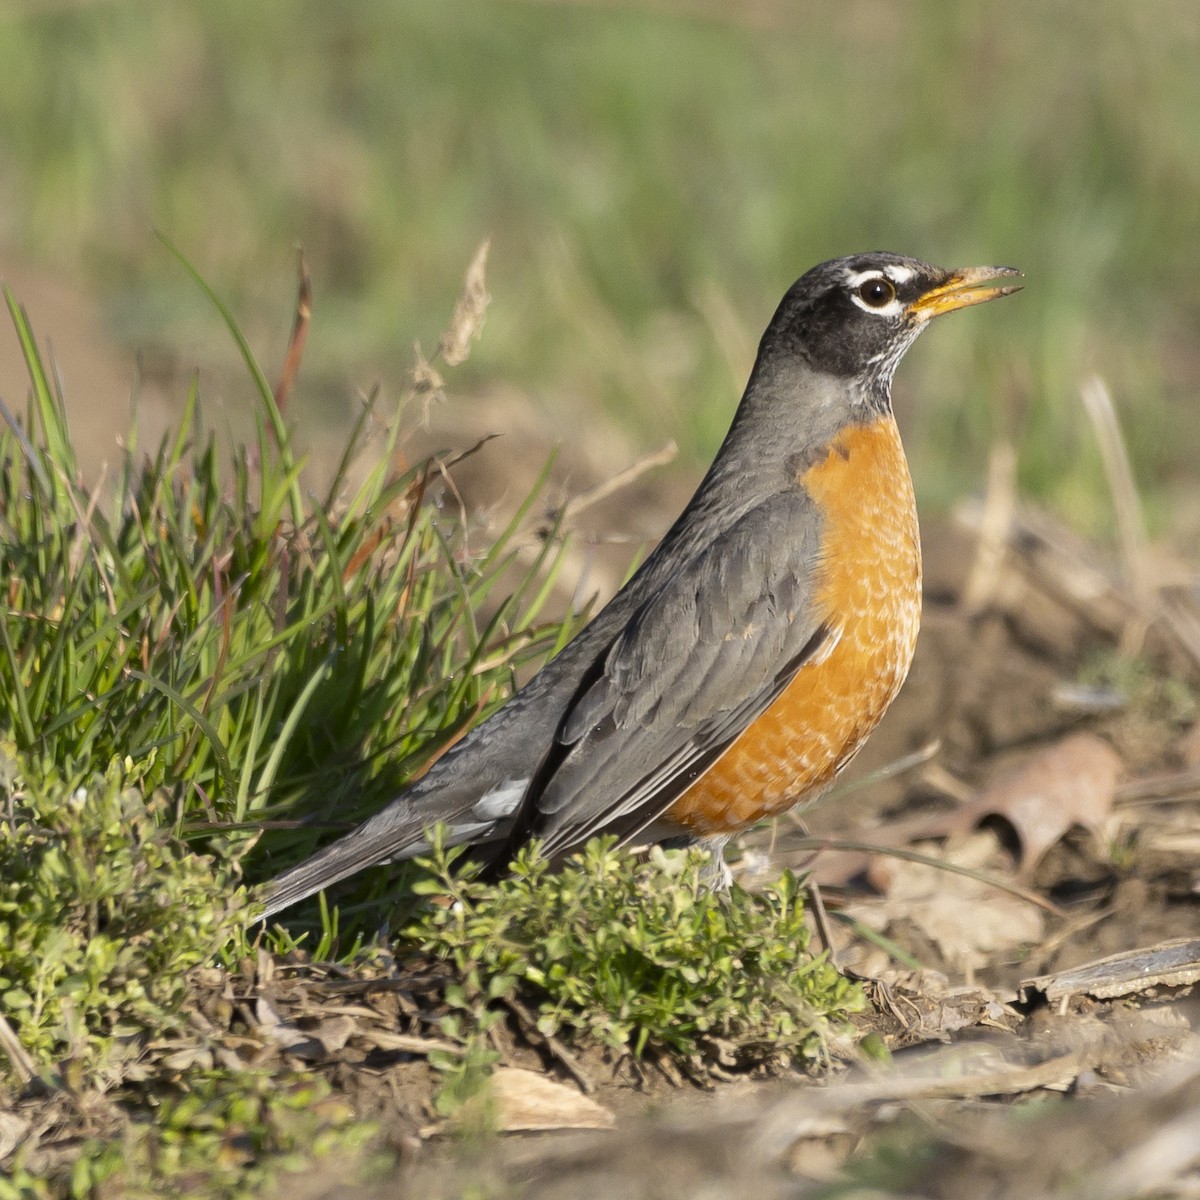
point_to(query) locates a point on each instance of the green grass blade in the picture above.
(32, 457)
(282, 739)
(265, 393)
(18, 697)
(203, 723)
(50, 415)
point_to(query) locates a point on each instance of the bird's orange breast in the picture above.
(867, 589)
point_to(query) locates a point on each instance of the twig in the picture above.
(553, 1045)
(22, 1064)
(1131, 527)
(1003, 885)
(821, 919)
(407, 1043)
(585, 500)
(1172, 786)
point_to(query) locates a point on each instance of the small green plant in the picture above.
(103, 912)
(634, 955)
(222, 1135)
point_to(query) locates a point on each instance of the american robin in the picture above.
(746, 662)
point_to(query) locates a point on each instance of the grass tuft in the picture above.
(199, 650)
(257, 651)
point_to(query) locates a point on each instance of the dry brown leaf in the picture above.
(929, 1006)
(968, 920)
(1072, 782)
(189, 1058)
(1069, 783)
(526, 1100)
(284, 1034)
(335, 1032)
(267, 1018)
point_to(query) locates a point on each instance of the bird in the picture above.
(745, 663)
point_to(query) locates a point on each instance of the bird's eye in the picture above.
(877, 292)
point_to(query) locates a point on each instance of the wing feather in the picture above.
(703, 656)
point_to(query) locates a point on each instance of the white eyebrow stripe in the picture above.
(893, 271)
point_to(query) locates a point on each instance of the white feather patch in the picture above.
(500, 801)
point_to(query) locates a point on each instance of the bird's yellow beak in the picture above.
(965, 286)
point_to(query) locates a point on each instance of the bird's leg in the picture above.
(715, 875)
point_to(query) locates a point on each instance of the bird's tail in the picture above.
(388, 837)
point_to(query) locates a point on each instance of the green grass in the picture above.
(653, 177)
(184, 654)
(243, 641)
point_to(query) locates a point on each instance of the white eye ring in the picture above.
(875, 292)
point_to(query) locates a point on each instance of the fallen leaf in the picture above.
(526, 1100)
(190, 1058)
(1073, 782)
(967, 919)
(335, 1032)
(1070, 783)
(273, 1028)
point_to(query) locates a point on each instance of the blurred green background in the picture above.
(653, 175)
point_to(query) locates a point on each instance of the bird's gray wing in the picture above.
(654, 693)
(701, 658)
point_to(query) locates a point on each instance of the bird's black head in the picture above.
(857, 316)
